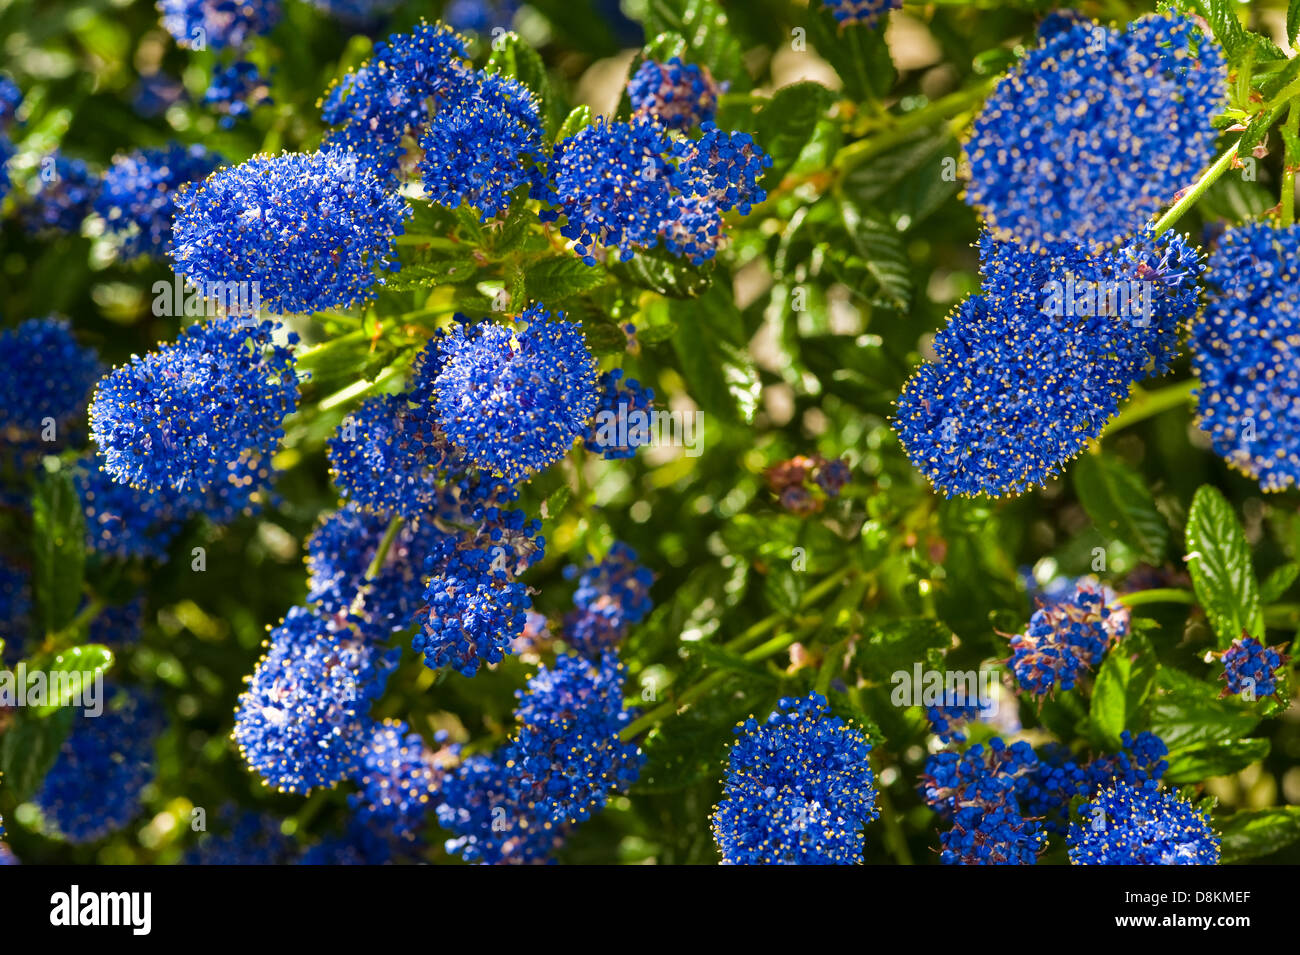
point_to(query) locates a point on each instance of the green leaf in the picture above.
(29, 748)
(579, 118)
(881, 249)
(58, 550)
(1219, 758)
(703, 24)
(899, 644)
(663, 273)
(1250, 833)
(555, 279)
(1219, 560)
(1124, 683)
(860, 57)
(1187, 712)
(1119, 503)
(720, 375)
(1278, 583)
(786, 124)
(80, 664)
(438, 270)
(1292, 21)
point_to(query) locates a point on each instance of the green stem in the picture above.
(310, 358)
(381, 553)
(56, 640)
(906, 126)
(1158, 595)
(1193, 195)
(768, 623)
(1289, 163)
(1148, 404)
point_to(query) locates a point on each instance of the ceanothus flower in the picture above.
(359, 844)
(217, 24)
(515, 400)
(1250, 665)
(1246, 353)
(480, 16)
(621, 422)
(399, 778)
(1141, 825)
(15, 607)
(47, 376)
(122, 521)
(559, 768)
(724, 168)
(981, 419)
(615, 185)
(94, 786)
(1045, 792)
(473, 611)
(243, 837)
(612, 595)
(864, 12)
(1096, 129)
(798, 791)
(306, 230)
(136, 199)
(679, 95)
(341, 549)
(11, 97)
(303, 720)
(977, 792)
(385, 453)
(6, 153)
(62, 195)
(483, 143)
(182, 415)
(380, 107)
(235, 91)
(1065, 638)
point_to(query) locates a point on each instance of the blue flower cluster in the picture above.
(339, 554)
(302, 722)
(981, 420)
(798, 789)
(46, 380)
(94, 786)
(480, 16)
(1065, 638)
(1248, 664)
(1045, 792)
(399, 778)
(1246, 353)
(388, 454)
(136, 200)
(947, 720)
(564, 760)
(976, 791)
(235, 91)
(11, 98)
(1141, 825)
(515, 400)
(62, 195)
(122, 521)
(386, 101)
(482, 144)
(1096, 129)
(679, 95)
(612, 595)
(325, 223)
(182, 416)
(244, 837)
(864, 12)
(218, 24)
(626, 186)
(621, 421)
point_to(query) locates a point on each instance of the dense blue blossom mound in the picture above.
(1246, 353)
(302, 231)
(1067, 638)
(61, 196)
(399, 777)
(798, 789)
(94, 785)
(979, 419)
(560, 766)
(183, 416)
(613, 594)
(46, 380)
(235, 91)
(679, 95)
(218, 24)
(301, 723)
(1250, 669)
(1095, 130)
(243, 837)
(136, 201)
(1141, 825)
(516, 400)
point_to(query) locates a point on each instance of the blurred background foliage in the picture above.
(807, 327)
